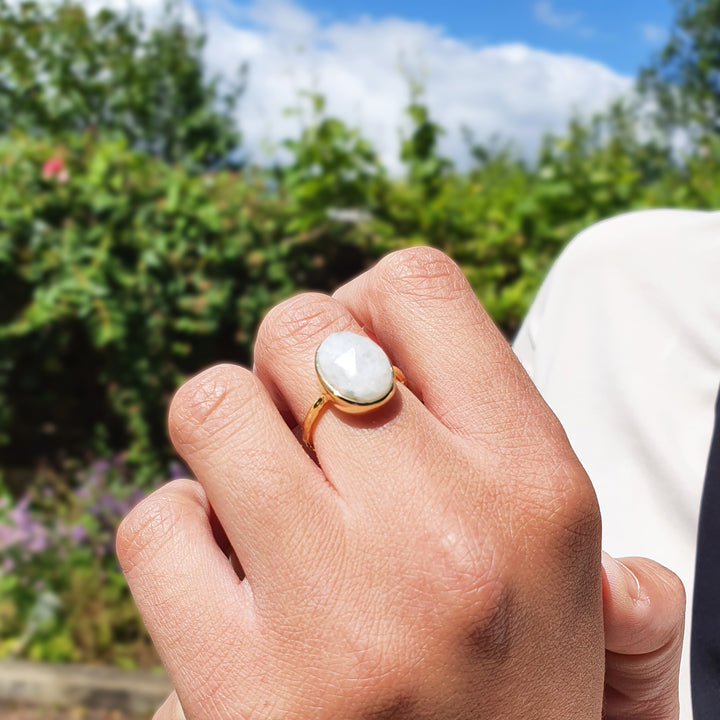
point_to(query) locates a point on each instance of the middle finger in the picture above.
(367, 454)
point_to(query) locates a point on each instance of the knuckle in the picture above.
(467, 589)
(488, 627)
(137, 531)
(579, 544)
(552, 491)
(208, 404)
(423, 272)
(576, 520)
(152, 524)
(396, 707)
(581, 512)
(674, 591)
(559, 508)
(570, 544)
(481, 609)
(298, 321)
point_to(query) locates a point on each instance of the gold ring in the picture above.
(356, 374)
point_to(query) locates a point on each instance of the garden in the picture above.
(137, 247)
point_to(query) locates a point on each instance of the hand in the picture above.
(644, 612)
(442, 559)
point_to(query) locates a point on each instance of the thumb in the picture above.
(644, 612)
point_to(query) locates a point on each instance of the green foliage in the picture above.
(419, 151)
(684, 79)
(64, 70)
(62, 595)
(332, 170)
(134, 253)
(123, 274)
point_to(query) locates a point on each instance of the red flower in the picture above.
(55, 168)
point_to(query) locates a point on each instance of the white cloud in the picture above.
(362, 68)
(653, 34)
(548, 15)
(284, 19)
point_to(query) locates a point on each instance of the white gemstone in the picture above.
(354, 368)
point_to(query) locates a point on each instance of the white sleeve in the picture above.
(623, 342)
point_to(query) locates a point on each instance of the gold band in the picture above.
(327, 399)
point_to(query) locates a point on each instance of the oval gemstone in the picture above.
(353, 368)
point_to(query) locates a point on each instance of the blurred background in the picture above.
(169, 172)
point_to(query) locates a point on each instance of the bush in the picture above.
(122, 275)
(66, 69)
(62, 595)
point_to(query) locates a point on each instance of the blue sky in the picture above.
(517, 69)
(619, 33)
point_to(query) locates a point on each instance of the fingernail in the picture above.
(619, 573)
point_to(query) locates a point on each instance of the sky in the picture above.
(516, 69)
(619, 33)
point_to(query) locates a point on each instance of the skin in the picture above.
(644, 610)
(438, 558)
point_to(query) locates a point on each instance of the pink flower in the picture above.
(55, 168)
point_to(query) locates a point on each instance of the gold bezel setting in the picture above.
(349, 356)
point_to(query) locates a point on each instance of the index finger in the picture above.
(425, 314)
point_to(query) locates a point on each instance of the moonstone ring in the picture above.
(356, 374)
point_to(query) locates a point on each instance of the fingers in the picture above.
(643, 608)
(286, 344)
(423, 311)
(358, 453)
(259, 480)
(183, 584)
(471, 387)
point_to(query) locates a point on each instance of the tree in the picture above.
(684, 79)
(65, 70)
(419, 150)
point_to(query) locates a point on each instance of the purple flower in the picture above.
(38, 540)
(20, 514)
(78, 534)
(8, 536)
(100, 468)
(177, 471)
(23, 531)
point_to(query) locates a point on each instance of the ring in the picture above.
(356, 374)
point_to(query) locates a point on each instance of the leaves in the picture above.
(134, 252)
(63, 597)
(682, 83)
(66, 70)
(123, 273)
